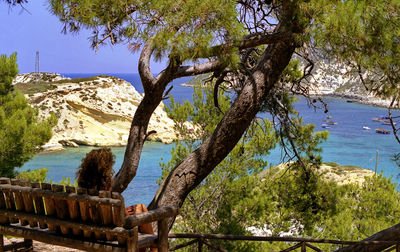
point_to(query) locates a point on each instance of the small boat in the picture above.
(328, 117)
(350, 101)
(377, 119)
(387, 122)
(331, 122)
(325, 126)
(366, 128)
(382, 131)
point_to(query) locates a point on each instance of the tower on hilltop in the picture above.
(37, 70)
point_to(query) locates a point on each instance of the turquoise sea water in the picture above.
(348, 144)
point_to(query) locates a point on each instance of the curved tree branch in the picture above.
(197, 165)
(144, 66)
(197, 69)
(153, 94)
(249, 41)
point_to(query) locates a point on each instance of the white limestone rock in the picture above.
(32, 77)
(332, 78)
(97, 112)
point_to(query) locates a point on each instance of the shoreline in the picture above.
(355, 98)
(358, 99)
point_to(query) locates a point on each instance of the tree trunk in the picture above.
(389, 234)
(137, 137)
(195, 167)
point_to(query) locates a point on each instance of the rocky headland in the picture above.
(95, 111)
(329, 78)
(335, 79)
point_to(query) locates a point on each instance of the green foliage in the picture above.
(367, 38)
(21, 132)
(243, 191)
(8, 70)
(38, 175)
(364, 210)
(172, 25)
(66, 181)
(233, 196)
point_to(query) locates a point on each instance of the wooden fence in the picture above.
(303, 244)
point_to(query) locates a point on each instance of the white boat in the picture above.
(366, 128)
(325, 126)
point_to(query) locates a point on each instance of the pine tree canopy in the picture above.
(21, 131)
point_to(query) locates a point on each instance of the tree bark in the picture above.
(195, 167)
(389, 234)
(154, 88)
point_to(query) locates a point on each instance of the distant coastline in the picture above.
(356, 98)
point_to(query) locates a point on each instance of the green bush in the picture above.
(38, 175)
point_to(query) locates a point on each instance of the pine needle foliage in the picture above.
(21, 131)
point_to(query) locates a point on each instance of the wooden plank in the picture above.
(213, 246)
(60, 195)
(95, 213)
(106, 213)
(28, 202)
(117, 231)
(61, 207)
(73, 208)
(49, 206)
(16, 246)
(118, 211)
(313, 247)
(200, 245)
(3, 220)
(298, 245)
(150, 216)
(183, 245)
(147, 240)
(303, 247)
(28, 244)
(9, 197)
(53, 238)
(19, 201)
(84, 210)
(1, 243)
(132, 242)
(119, 215)
(163, 235)
(39, 205)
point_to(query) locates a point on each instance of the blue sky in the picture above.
(26, 33)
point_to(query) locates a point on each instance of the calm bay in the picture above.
(348, 143)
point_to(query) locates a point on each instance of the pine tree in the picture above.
(21, 131)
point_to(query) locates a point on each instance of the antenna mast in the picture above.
(37, 70)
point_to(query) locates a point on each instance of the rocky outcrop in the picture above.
(95, 111)
(35, 77)
(340, 174)
(332, 78)
(329, 78)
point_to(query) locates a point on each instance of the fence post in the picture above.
(303, 247)
(200, 245)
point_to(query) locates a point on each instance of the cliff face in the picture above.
(332, 78)
(95, 111)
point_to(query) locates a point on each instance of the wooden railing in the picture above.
(300, 243)
(76, 217)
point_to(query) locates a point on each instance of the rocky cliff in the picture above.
(94, 111)
(332, 78)
(329, 78)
